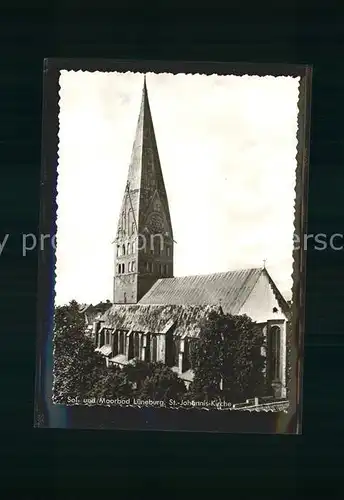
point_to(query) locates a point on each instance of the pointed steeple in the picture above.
(144, 211)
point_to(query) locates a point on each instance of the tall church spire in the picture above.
(144, 232)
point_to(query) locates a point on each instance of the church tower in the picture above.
(144, 240)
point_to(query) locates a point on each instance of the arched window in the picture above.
(133, 247)
(137, 345)
(275, 353)
(176, 352)
(132, 228)
(122, 270)
(133, 266)
(121, 342)
(123, 249)
(128, 249)
(118, 251)
(154, 351)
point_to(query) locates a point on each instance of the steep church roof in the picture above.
(230, 290)
(145, 178)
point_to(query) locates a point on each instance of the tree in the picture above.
(111, 383)
(161, 384)
(227, 359)
(137, 372)
(77, 367)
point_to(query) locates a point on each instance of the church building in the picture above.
(155, 316)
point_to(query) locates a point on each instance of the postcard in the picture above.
(172, 246)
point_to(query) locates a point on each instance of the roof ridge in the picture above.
(239, 270)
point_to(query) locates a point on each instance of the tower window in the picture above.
(133, 266)
(168, 251)
(132, 228)
(123, 249)
(133, 247)
(128, 249)
(122, 270)
(118, 251)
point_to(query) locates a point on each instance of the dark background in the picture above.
(53, 463)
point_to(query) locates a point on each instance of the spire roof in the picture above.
(145, 174)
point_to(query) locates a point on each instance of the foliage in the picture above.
(77, 366)
(138, 371)
(227, 359)
(111, 383)
(160, 382)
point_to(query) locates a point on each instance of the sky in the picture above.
(227, 146)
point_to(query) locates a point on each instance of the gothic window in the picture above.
(128, 249)
(188, 349)
(133, 228)
(107, 337)
(121, 342)
(142, 243)
(129, 267)
(137, 345)
(275, 352)
(176, 352)
(123, 249)
(154, 351)
(122, 270)
(133, 247)
(133, 266)
(115, 343)
(118, 251)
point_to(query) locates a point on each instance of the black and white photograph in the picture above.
(177, 270)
